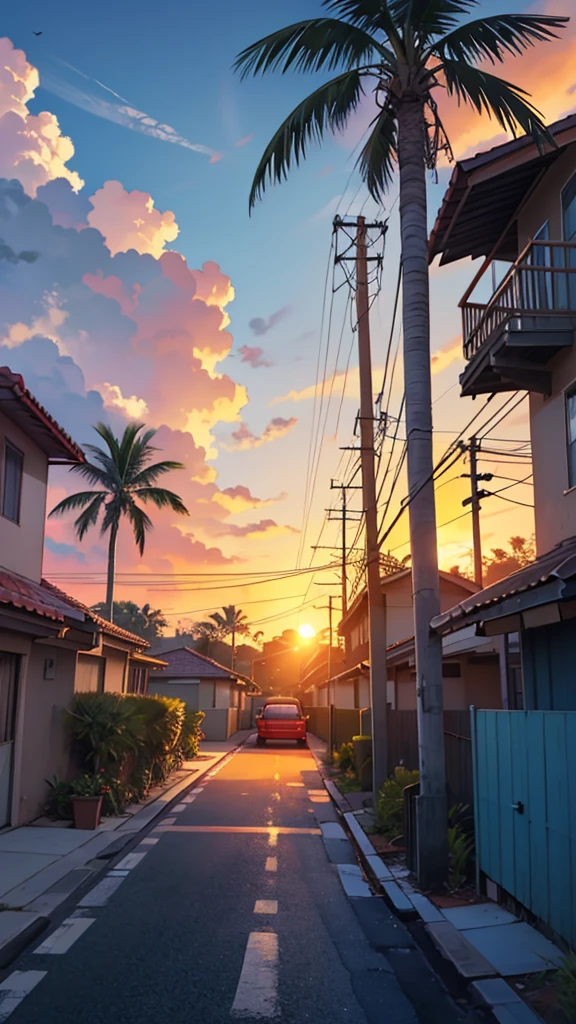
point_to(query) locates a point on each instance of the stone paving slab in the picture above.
(481, 915)
(16, 868)
(514, 948)
(455, 947)
(57, 841)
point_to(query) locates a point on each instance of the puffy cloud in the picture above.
(129, 220)
(134, 407)
(253, 355)
(31, 145)
(265, 528)
(259, 326)
(68, 208)
(243, 437)
(239, 499)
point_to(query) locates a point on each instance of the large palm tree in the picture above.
(404, 52)
(122, 474)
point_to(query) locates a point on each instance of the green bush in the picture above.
(460, 844)
(59, 802)
(191, 734)
(390, 803)
(134, 741)
(344, 758)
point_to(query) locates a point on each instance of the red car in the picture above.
(281, 718)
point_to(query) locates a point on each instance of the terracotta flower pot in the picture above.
(87, 810)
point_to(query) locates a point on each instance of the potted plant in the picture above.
(87, 794)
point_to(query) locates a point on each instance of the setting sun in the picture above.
(306, 631)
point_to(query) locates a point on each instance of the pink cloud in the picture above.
(239, 499)
(129, 220)
(243, 437)
(244, 141)
(264, 528)
(253, 355)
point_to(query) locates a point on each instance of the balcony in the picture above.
(509, 341)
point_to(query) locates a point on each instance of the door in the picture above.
(569, 229)
(9, 669)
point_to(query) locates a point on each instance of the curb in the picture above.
(21, 935)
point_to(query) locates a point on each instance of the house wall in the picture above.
(554, 502)
(43, 749)
(479, 684)
(22, 543)
(116, 669)
(548, 660)
(344, 694)
(181, 689)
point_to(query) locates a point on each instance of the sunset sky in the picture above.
(157, 297)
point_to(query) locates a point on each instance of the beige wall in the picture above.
(21, 544)
(344, 695)
(555, 505)
(41, 749)
(178, 688)
(116, 667)
(479, 685)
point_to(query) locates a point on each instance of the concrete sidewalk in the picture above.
(41, 866)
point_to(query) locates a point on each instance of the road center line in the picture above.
(65, 936)
(15, 988)
(179, 808)
(266, 907)
(271, 863)
(272, 832)
(101, 893)
(257, 992)
(130, 861)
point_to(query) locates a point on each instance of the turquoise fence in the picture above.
(525, 809)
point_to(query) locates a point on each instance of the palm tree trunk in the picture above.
(431, 806)
(233, 647)
(111, 572)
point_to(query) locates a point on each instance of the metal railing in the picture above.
(541, 281)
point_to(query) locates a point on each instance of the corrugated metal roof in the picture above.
(36, 597)
(560, 563)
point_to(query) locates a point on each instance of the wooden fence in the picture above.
(403, 743)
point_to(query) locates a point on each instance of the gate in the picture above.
(525, 809)
(9, 665)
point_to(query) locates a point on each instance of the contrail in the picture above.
(122, 112)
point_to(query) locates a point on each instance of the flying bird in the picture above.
(36, 33)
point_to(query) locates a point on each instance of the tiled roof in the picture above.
(559, 564)
(48, 434)
(185, 663)
(110, 628)
(38, 598)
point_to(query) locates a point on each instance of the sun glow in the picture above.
(306, 631)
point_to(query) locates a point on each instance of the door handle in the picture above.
(518, 806)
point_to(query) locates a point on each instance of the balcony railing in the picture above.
(542, 281)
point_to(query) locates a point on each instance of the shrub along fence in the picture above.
(403, 743)
(129, 742)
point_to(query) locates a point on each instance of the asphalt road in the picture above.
(218, 916)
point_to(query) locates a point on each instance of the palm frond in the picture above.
(495, 36)
(150, 474)
(109, 439)
(427, 18)
(310, 46)
(378, 156)
(162, 498)
(108, 462)
(496, 97)
(327, 107)
(89, 517)
(370, 15)
(141, 524)
(93, 473)
(112, 512)
(75, 501)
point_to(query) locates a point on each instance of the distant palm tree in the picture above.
(232, 623)
(123, 473)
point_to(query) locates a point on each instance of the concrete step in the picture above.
(452, 944)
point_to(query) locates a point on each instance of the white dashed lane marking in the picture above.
(271, 863)
(101, 893)
(266, 907)
(65, 936)
(257, 992)
(150, 841)
(179, 808)
(130, 861)
(15, 988)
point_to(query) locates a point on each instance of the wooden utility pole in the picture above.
(376, 606)
(474, 500)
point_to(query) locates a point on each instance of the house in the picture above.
(518, 205)
(317, 683)
(44, 634)
(224, 696)
(353, 682)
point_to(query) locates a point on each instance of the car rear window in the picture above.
(281, 711)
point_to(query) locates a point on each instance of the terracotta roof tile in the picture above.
(107, 627)
(35, 597)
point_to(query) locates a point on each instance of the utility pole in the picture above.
(474, 500)
(376, 606)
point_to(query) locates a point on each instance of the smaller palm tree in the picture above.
(231, 621)
(122, 474)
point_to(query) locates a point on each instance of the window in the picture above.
(137, 680)
(281, 711)
(13, 463)
(451, 670)
(571, 428)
